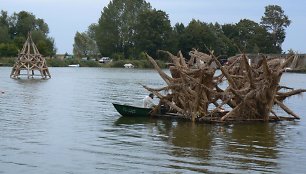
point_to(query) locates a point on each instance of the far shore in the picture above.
(54, 62)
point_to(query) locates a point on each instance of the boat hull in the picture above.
(132, 111)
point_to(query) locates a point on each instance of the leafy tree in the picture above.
(246, 32)
(14, 30)
(91, 32)
(194, 36)
(222, 44)
(44, 45)
(4, 34)
(262, 42)
(4, 27)
(116, 26)
(24, 23)
(19, 41)
(84, 46)
(4, 19)
(8, 49)
(230, 32)
(152, 31)
(275, 21)
(200, 35)
(177, 39)
(248, 36)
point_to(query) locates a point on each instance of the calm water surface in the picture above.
(67, 124)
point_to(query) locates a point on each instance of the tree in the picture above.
(176, 36)
(249, 37)
(4, 27)
(84, 46)
(14, 30)
(24, 23)
(275, 21)
(152, 32)
(223, 45)
(91, 32)
(8, 49)
(194, 36)
(246, 33)
(201, 35)
(44, 44)
(116, 26)
(4, 34)
(230, 32)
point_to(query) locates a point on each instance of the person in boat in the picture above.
(148, 101)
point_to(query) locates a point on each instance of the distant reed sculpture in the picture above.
(193, 90)
(30, 60)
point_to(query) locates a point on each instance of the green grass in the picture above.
(7, 61)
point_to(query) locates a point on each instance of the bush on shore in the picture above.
(7, 61)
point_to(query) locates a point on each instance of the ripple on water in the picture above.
(68, 125)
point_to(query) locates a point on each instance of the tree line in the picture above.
(14, 30)
(128, 28)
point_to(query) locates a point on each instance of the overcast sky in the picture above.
(66, 17)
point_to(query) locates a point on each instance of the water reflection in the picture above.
(132, 120)
(252, 146)
(257, 139)
(215, 148)
(230, 148)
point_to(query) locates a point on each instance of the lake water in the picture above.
(67, 124)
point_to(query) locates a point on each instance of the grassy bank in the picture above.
(9, 61)
(136, 63)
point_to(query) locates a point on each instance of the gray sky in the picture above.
(66, 17)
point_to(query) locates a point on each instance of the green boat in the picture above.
(132, 111)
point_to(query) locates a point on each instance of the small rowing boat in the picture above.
(132, 111)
